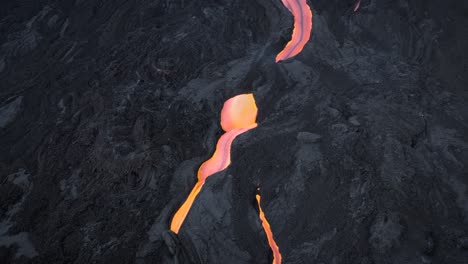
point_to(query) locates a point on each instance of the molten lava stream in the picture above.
(302, 28)
(271, 241)
(237, 116)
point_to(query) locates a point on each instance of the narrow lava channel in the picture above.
(271, 240)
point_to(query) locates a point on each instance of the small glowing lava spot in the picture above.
(357, 6)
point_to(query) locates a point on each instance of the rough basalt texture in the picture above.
(107, 108)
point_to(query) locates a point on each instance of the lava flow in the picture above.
(271, 241)
(302, 28)
(238, 115)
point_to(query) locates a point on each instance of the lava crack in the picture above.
(357, 6)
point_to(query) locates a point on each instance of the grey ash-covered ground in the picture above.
(107, 108)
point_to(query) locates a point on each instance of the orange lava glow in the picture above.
(238, 115)
(302, 28)
(266, 226)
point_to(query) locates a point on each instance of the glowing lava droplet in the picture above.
(266, 226)
(302, 28)
(237, 116)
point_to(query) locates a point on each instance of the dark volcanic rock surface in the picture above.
(107, 108)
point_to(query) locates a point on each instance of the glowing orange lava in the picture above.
(266, 226)
(302, 28)
(237, 116)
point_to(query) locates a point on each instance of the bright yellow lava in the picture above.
(237, 116)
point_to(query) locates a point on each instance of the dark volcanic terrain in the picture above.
(108, 108)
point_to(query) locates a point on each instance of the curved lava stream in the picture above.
(302, 28)
(238, 115)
